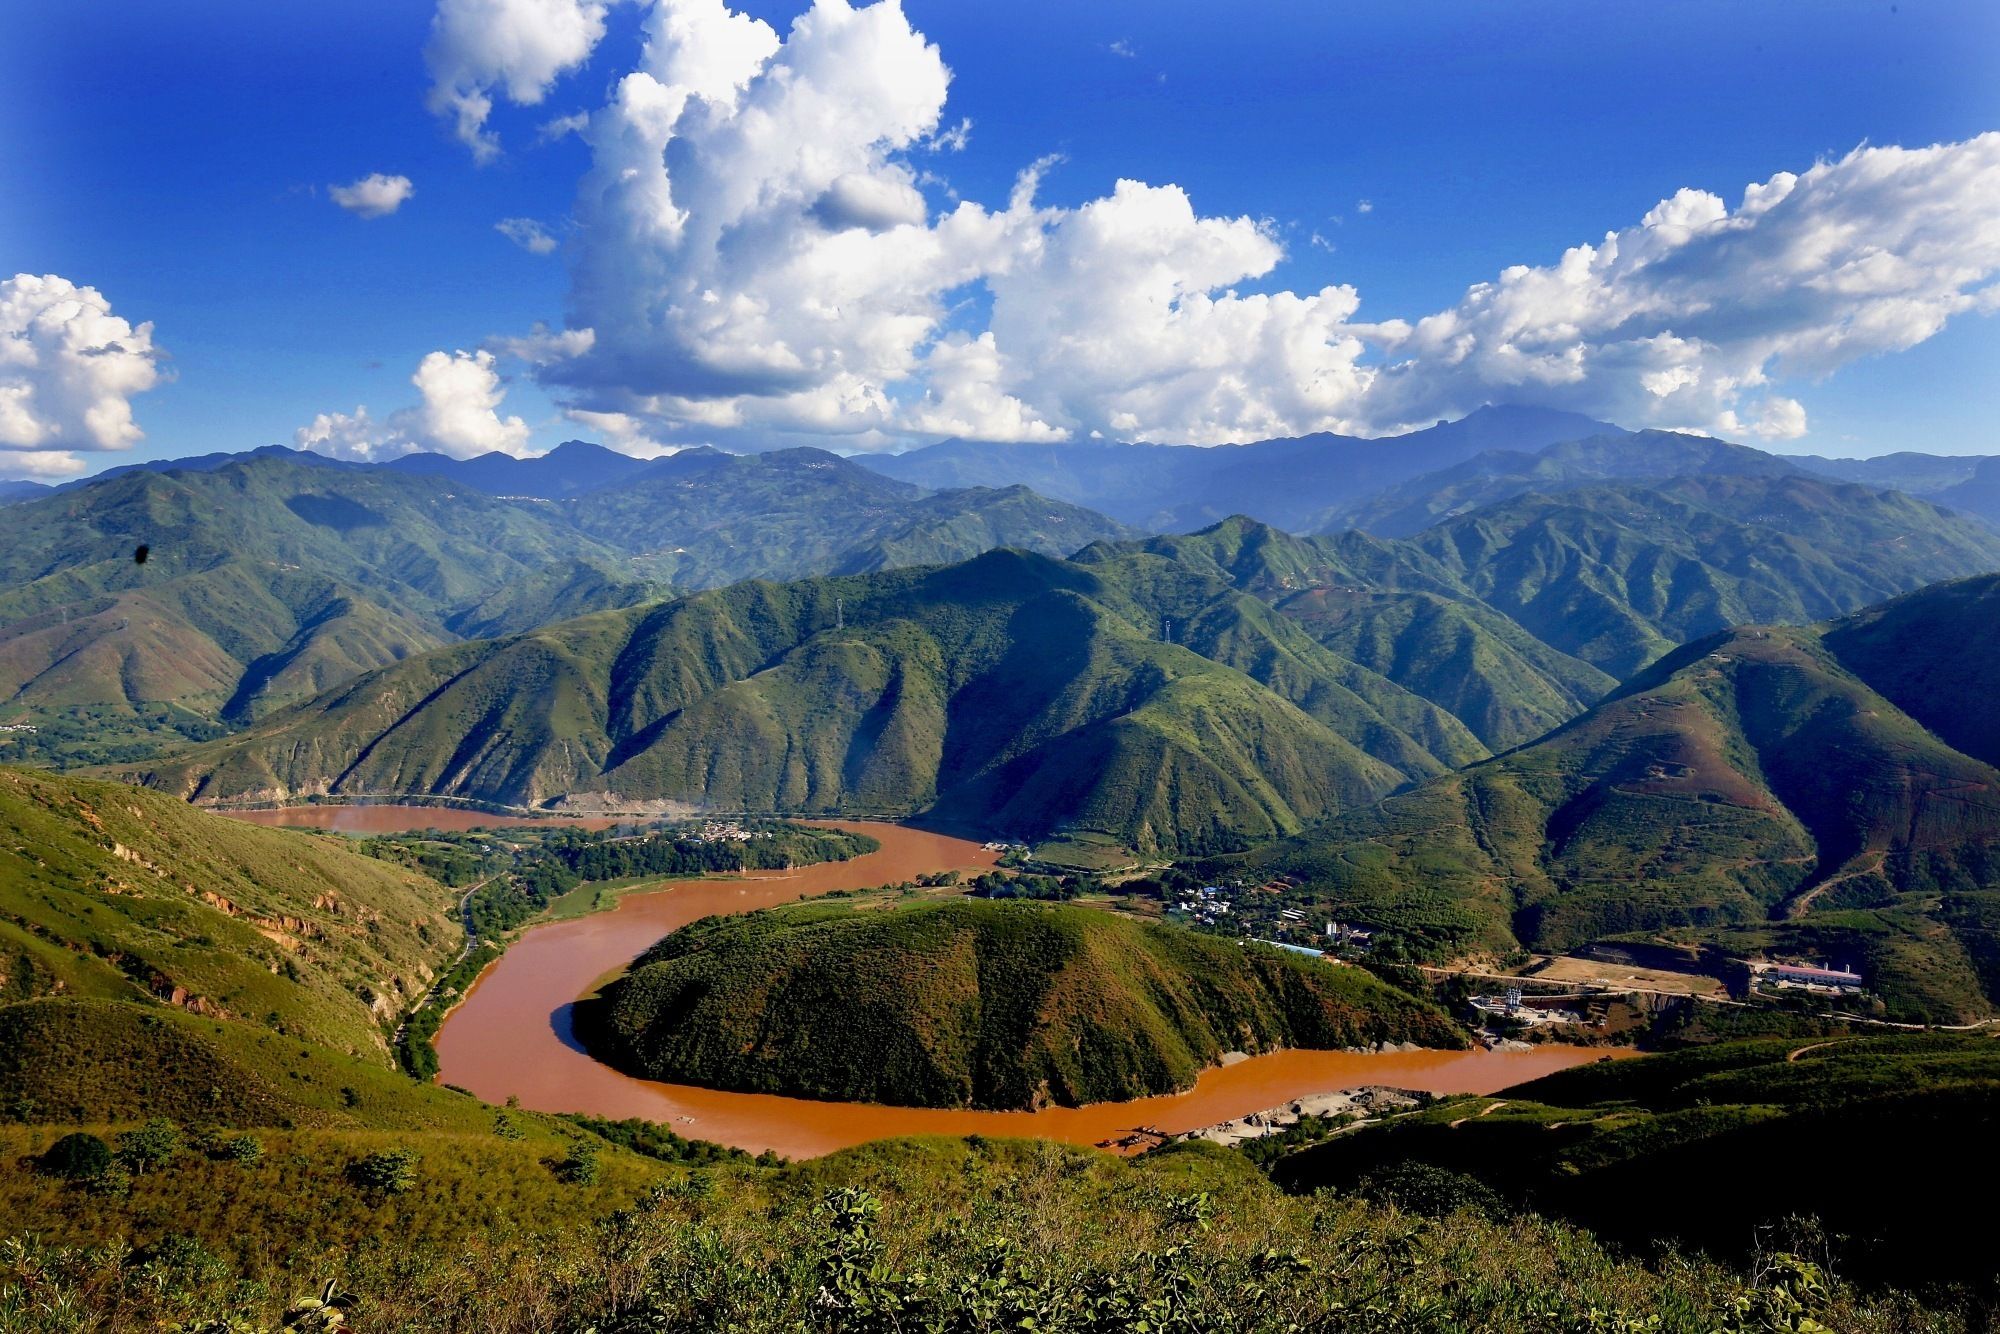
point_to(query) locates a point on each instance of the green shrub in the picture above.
(246, 1150)
(77, 1157)
(579, 1166)
(391, 1172)
(1435, 1192)
(151, 1145)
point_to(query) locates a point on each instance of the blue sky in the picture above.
(178, 158)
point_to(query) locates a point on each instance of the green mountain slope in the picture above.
(1271, 563)
(1010, 692)
(1486, 479)
(976, 1004)
(557, 592)
(1925, 652)
(954, 525)
(1618, 574)
(1396, 613)
(114, 892)
(702, 518)
(1748, 790)
(1505, 685)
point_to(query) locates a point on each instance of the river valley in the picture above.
(511, 1036)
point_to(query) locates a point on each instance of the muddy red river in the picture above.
(511, 1036)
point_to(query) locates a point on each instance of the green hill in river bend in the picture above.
(976, 1004)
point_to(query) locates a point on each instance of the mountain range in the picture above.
(1299, 484)
(272, 576)
(524, 631)
(1168, 694)
(1398, 485)
(1827, 790)
(1010, 692)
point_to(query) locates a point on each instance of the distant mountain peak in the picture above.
(1296, 483)
(581, 449)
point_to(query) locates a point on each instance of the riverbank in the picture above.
(1357, 1104)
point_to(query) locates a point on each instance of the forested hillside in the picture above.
(976, 1004)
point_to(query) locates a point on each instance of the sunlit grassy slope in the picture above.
(116, 892)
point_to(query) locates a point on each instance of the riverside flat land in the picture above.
(1619, 976)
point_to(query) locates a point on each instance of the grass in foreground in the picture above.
(912, 1235)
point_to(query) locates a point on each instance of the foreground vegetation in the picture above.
(1880, 1139)
(976, 1003)
(916, 1235)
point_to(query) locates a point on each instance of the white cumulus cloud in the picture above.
(69, 369)
(519, 47)
(354, 435)
(40, 465)
(373, 196)
(458, 413)
(754, 250)
(1689, 316)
